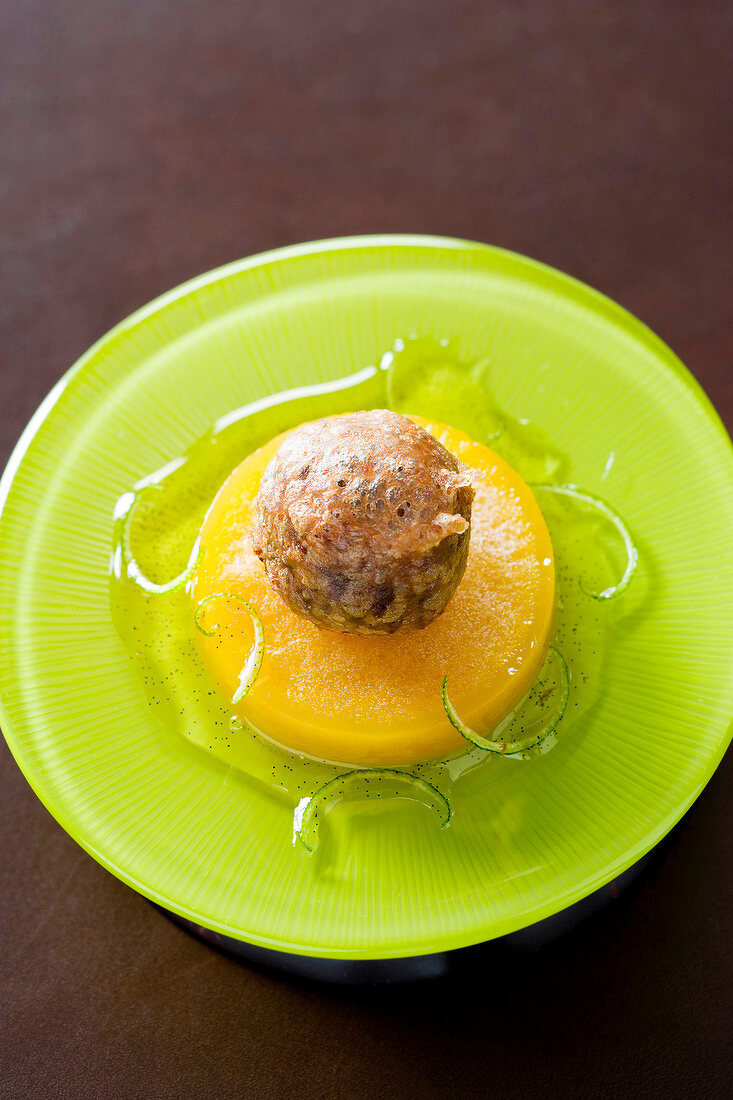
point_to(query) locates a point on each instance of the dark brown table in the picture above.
(143, 143)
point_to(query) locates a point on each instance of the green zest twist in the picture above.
(497, 744)
(133, 570)
(632, 554)
(252, 665)
(391, 784)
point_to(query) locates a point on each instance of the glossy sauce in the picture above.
(166, 509)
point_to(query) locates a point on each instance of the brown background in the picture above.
(142, 143)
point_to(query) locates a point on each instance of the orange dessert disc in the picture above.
(376, 700)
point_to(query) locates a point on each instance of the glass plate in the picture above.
(203, 840)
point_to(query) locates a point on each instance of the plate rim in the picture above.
(588, 295)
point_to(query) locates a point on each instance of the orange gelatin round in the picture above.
(376, 700)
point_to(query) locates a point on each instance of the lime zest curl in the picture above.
(497, 744)
(252, 665)
(130, 563)
(632, 553)
(399, 784)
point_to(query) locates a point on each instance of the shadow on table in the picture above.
(506, 954)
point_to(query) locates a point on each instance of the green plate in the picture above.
(202, 839)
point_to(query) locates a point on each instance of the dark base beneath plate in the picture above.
(416, 968)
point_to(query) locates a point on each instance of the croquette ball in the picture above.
(363, 523)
